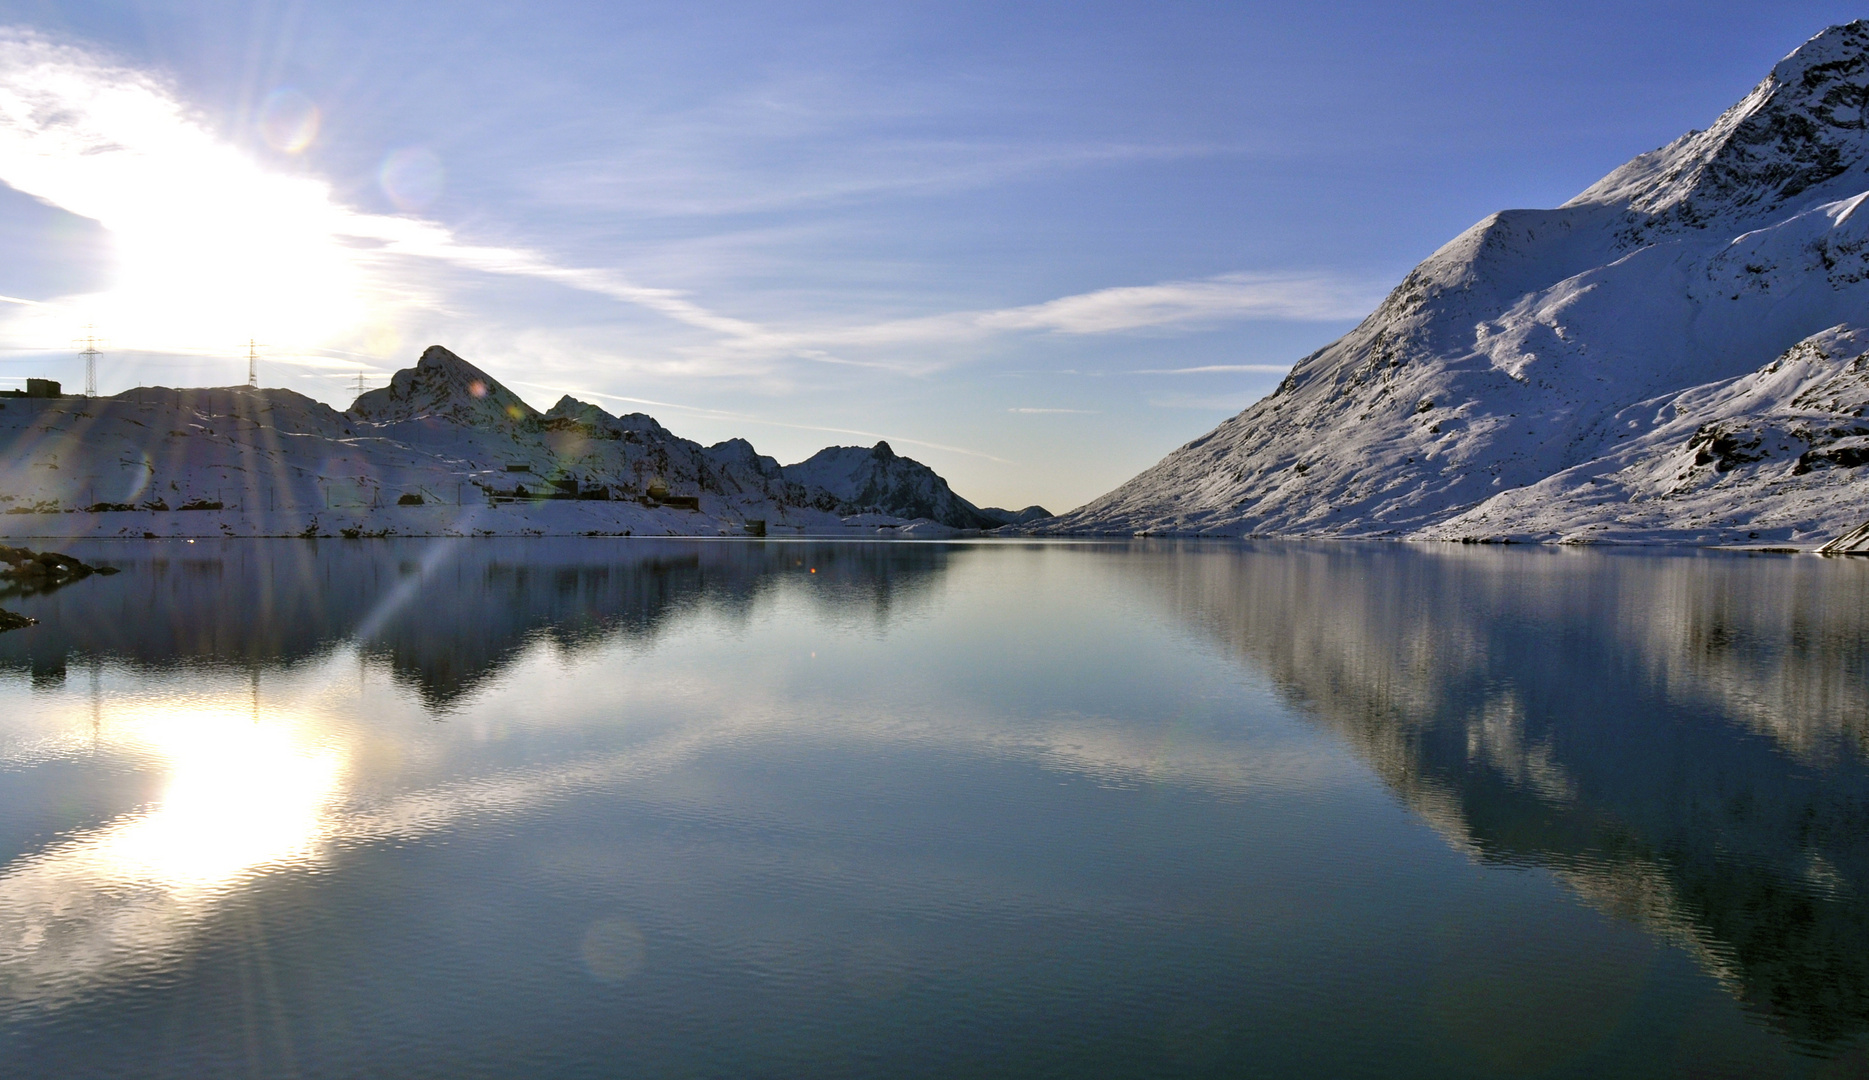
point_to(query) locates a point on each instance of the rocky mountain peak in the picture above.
(854, 480)
(571, 410)
(443, 386)
(1801, 136)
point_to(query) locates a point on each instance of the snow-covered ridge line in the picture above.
(1673, 356)
(443, 450)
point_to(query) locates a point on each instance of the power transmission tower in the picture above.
(90, 353)
(253, 365)
(359, 382)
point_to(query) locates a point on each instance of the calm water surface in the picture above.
(630, 808)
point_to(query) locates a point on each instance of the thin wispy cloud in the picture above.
(1176, 305)
(680, 178)
(424, 239)
(1077, 412)
(1308, 297)
(213, 248)
(788, 137)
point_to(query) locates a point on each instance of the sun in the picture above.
(212, 245)
(251, 256)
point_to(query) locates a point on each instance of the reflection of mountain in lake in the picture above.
(445, 614)
(1678, 738)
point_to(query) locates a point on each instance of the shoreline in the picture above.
(909, 532)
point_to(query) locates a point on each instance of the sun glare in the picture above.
(211, 246)
(241, 795)
(254, 259)
(243, 791)
(246, 791)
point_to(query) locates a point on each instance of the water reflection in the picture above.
(1678, 737)
(445, 615)
(248, 788)
(242, 793)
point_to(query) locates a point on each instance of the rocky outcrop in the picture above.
(25, 572)
(876, 480)
(1015, 517)
(37, 571)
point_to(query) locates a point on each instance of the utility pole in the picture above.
(90, 353)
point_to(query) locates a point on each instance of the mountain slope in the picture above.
(1510, 355)
(1771, 455)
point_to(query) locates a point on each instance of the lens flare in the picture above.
(289, 120)
(412, 178)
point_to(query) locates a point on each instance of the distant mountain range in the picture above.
(1678, 354)
(443, 449)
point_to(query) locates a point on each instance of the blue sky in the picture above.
(1035, 245)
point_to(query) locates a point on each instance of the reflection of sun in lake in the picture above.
(246, 790)
(242, 793)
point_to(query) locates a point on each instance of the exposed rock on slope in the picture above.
(1544, 347)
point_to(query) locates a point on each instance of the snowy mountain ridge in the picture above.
(443, 450)
(1518, 356)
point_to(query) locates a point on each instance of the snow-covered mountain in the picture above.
(444, 449)
(1674, 355)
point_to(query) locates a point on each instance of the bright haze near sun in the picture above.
(1034, 245)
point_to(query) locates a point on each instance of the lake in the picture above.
(619, 808)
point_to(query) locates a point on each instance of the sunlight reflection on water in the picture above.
(242, 793)
(866, 809)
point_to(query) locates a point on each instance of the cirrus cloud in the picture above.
(213, 247)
